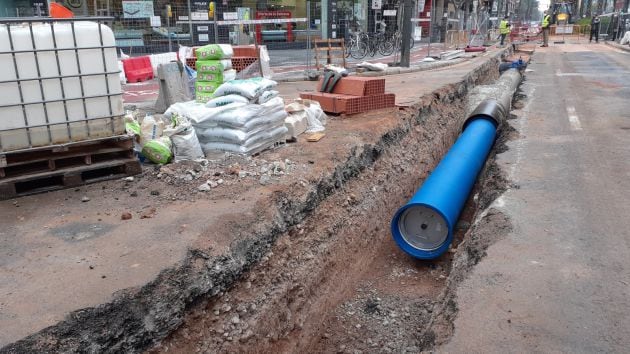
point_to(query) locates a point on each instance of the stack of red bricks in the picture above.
(352, 95)
(244, 56)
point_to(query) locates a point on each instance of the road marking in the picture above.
(617, 73)
(573, 118)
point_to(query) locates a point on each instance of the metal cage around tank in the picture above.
(113, 95)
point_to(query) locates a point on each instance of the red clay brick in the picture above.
(359, 86)
(244, 51)
(338, 103)
(240, 63)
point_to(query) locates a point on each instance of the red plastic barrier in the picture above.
(138, 69)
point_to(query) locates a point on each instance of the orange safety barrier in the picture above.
(59, 11)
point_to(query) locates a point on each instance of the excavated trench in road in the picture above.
(336, 281)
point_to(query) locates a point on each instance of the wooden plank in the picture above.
(315, 137)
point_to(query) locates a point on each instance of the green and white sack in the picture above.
(218, 77)
(214, 51)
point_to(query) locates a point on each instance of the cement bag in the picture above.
(158, 150)
(231, 135)
(150, 129)
(198, 113)
(184, 140)
(225, 100)
(240, 135)
(273, 118)
(218, 77)
(249, 88)
(626, 39)
(206, 86)
(213, 66)
(238, 117)
(267, 95)
(253, 145)
(214, 51)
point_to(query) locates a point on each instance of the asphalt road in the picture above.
(560, 280)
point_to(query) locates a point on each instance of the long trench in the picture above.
(336, 282)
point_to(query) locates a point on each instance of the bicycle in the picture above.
(357, 46)
(377, 42)
(397, 38)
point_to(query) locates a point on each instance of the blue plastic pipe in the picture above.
(423, 228)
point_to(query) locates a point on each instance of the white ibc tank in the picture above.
(76, 94)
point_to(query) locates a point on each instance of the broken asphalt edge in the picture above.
(137, 318)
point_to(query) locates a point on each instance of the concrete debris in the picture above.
(204, 187)
(126, 216)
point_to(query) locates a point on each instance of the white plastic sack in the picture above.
(239, 135)
(373, 66)
(249, 88)
(253, 145)
(185, 143)
(184, 53)
(123, 78)
(231, 135)
(626, 39)
(239, 117)
(225, 100)
(267, 95)
(198, 113)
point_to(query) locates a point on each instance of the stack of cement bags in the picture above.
(214, 67)
(245, 117)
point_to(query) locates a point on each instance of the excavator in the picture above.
(562, 12)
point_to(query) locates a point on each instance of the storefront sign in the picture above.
(156, 21)
(137, 9)
(230, 15)
(390, 13)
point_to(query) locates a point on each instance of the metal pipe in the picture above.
(423, 227)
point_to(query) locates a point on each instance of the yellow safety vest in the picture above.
(503, 27)
(545, 22)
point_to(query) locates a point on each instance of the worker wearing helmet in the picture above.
(504, 29)
(546, 22)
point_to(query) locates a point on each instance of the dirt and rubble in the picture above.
(347, 288)
(299, 253)
(336, 282)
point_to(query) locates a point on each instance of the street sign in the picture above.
(377, 4)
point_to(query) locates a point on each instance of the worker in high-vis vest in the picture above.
(546, 22)
(504, 29)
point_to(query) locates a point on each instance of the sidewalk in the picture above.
(70, 259)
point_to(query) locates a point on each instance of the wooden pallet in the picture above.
(56, 167)
(329, 51)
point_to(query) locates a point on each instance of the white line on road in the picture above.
(573, 118)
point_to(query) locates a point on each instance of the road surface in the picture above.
(560, 280)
